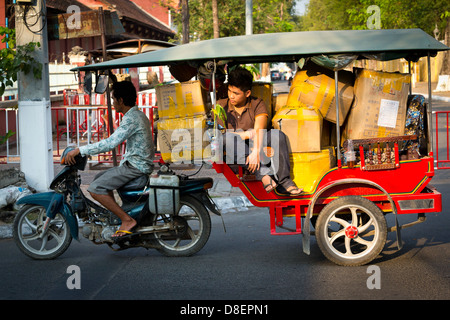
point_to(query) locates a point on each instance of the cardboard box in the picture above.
(302, 126)
(183, 139)
(380, 104)
(315, 86)
(179, 100)
(307, 168)
(279, 101)
(263, 90)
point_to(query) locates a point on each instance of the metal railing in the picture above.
(442, 141)
(82, 120)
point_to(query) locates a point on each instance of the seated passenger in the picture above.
(247, 140)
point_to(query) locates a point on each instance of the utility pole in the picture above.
(35, 132)
(248, 17)
(108, 92)
(185, 20)
(215, 13)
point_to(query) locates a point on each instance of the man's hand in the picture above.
(70, 157)
(253, 161)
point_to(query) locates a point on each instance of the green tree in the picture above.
(395, 14)
(328, 15)
(14, 60)
(268, 16)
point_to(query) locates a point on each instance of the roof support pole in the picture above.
(338, 130)
(410, 73)
(108, 93)
(429, 108)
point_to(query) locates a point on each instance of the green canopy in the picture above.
(410, 44)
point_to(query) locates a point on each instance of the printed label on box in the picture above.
(387, 116)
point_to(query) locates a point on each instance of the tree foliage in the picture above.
(14, 60)
(395, 14)
(268, 16)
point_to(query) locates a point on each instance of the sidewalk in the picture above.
(422, 88)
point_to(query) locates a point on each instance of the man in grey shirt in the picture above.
(138, 158)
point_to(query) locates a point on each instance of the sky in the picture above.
(301, 6)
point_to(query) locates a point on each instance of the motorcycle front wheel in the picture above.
(191, 229)
(32, 241)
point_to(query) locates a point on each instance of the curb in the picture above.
(435, 97)
(225, 205)
(6, 231)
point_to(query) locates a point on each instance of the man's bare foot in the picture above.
(126, 228)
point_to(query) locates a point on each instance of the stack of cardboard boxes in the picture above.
(182, 111)
(371, 104)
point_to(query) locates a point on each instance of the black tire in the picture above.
(27, 233)
(351, 231)
(192, 233)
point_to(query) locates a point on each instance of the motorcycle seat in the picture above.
(135, 184)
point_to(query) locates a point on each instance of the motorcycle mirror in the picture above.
(102, 84)
(87, 82)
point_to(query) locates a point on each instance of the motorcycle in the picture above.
(171, 211)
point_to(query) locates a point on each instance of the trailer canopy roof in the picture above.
(384, 45)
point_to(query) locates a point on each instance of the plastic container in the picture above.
(164, 194)
(350, 154)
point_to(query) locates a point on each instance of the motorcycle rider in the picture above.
(138, 158)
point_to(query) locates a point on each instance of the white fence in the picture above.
(83, 117)
(61, 78)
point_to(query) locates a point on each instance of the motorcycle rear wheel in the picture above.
(193, 227)
(27, 233)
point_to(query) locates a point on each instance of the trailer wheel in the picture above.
(351, 231)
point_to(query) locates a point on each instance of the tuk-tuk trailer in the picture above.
(347, 204)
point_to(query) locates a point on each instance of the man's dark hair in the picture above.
(126, 91)
(240, 78)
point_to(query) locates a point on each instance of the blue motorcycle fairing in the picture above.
(60, 176)
(53, 203)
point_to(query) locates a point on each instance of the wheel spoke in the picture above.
(342, 222)
(177, 243)
(43, 245)
(59, 238)
(191, 233)
(348, 250)
(353, 210)
(363, 241)
(366, 226)
(336, 235)
(30, 224)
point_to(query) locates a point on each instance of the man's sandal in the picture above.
(269, 187)
(294, 191)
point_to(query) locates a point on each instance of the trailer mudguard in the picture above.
(53, 203)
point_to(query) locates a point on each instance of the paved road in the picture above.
(245, 263)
